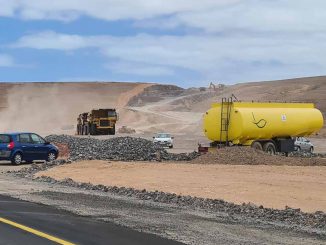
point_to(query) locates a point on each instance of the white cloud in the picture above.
(260, 16)
(105, 9)
(52, 40)
(6, 60)
(209, 15)
(139, 69)
(232, 57)
(231, 39)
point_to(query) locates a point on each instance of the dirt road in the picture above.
(270, 186)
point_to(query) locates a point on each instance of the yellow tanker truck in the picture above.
(265, 126)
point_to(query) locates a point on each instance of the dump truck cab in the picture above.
(97, 122)
(102, 121)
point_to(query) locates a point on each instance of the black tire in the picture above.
(17, 159)
(311, 150)
(112, 131)
(171, 146)
(257, 146)
(86, 130)
(269, 148)
(92, 130)
(297, 148)
(51, 156)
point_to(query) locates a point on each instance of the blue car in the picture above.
(19, 147)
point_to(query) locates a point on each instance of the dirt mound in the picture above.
(155, 93)
(126, 130)
(248, 156)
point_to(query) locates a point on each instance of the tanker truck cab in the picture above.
(271, 127)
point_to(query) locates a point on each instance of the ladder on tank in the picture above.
(225, 120)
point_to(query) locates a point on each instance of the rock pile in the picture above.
(290, 216)
(241, 155)
(120, 148)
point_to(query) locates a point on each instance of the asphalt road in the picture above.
(29, 223)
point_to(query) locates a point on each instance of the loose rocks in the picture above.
(295, 218)
(241, 155)
(120, 148)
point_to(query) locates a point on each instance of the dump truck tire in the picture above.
(112, 131)
(93, 129)
(86, 130)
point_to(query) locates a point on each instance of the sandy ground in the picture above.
(270, 186)
(171, 221)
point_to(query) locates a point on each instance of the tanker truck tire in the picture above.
(269, 148)
(257, 146)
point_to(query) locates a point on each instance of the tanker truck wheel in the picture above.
(269, 148)
(257, 146)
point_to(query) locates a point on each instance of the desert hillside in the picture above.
(53, 107)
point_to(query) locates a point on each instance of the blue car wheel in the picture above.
(17, 159)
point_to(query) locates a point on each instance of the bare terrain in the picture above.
(270, 186)
(148, 108)
(52, 108)
(190, 226)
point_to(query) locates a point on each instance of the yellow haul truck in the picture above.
(265, 126)
(97, 122)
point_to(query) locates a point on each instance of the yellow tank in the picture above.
(262, 121)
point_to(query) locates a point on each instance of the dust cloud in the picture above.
(52, 108)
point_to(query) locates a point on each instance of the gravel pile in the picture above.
(28, 172)
(290, 216)
(247, 156)
(120, 148)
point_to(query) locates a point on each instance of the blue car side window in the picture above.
(24, 138)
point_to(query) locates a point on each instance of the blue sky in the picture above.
(184, 42)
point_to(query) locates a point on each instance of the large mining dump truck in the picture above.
(270, 127)
(97, 122)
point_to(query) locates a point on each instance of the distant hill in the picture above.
(53, 107)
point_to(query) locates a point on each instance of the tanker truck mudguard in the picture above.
(97, 122)
(271, 127)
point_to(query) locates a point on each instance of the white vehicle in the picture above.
(164, 139)
(303, 144)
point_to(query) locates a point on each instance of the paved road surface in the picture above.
(38, 224)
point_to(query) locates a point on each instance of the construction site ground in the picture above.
(167, 220)
(270, 186)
